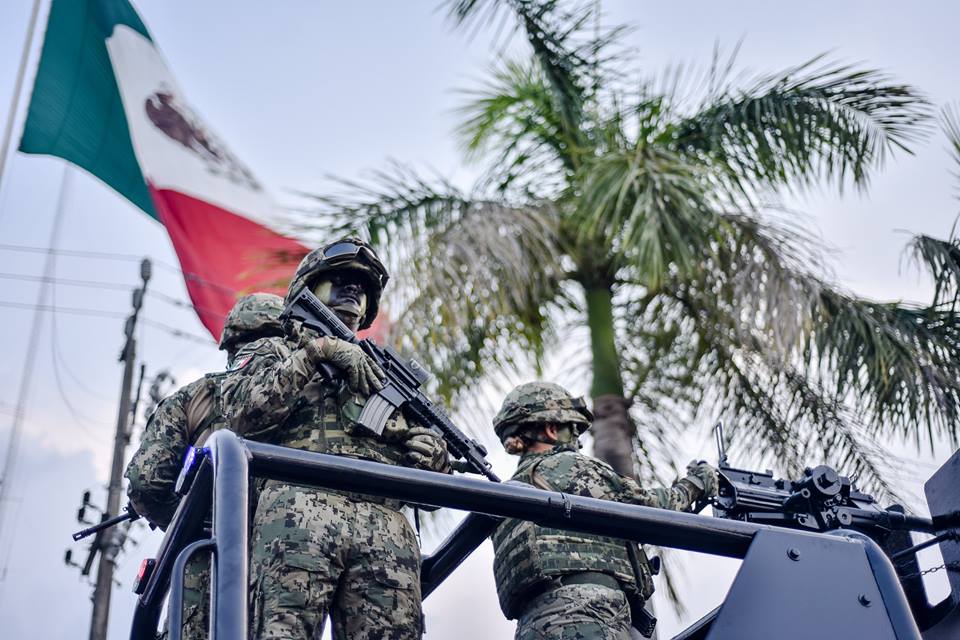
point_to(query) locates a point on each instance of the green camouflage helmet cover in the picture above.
(540, 403)
(366, 261)
(252, 317)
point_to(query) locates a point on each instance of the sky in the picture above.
(306, 89)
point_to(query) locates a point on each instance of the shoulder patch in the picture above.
(241, 363)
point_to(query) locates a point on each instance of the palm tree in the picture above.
(645, 218)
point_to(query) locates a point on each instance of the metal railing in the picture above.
(223, 478)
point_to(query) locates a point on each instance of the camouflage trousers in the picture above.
(196, 599)
(316, 553)
(576, 612)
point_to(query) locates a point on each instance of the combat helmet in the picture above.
(540, 403)
(348, 253)
(253, 316)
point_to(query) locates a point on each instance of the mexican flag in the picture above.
(105, 100)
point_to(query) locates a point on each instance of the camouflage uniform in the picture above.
(182, 420)
(317, 552)
(562, 584)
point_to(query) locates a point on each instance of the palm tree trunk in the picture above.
(613, 429)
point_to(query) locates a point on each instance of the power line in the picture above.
(128, 257)
(23, 395)
(78, 418)
(58, 351)
(101, 313)
(75, 253)
(114, 286)
(91, 284)
(179, 333)
(184, 304)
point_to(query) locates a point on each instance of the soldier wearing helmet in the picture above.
(561, 584)
(184, 419)
(316, 552)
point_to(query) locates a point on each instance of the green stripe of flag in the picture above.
(75, 111)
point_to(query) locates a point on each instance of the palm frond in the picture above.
(898, 364)
(645, 207)
(514, 114)
(895, 367)
(818, 121)
(475, 280)
(395, 201)
(808, 371)
(570, 51)
(777, 415)
(486, 294)
(950, 124)
(941, 258)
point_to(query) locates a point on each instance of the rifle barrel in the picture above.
(104, 524)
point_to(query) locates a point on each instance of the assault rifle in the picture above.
(401, 390)
(822, 500)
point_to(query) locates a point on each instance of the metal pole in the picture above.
(110, 547)
(18, 87)
(459, 544)
(231, 475)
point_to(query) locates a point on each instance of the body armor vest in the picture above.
(325, 421)
(325, 417)
(527, 555)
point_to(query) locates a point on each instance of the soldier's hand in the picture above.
(426, 450)
(704, 477)
(396, 429)
(363, 374)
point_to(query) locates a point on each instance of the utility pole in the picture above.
(110, 541)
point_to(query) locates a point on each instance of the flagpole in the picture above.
(18, 88)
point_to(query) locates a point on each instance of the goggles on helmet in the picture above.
(347, 251)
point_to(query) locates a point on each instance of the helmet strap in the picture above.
(520, 441)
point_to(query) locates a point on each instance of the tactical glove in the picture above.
(704, 477)
(426, 450)
(363, 374)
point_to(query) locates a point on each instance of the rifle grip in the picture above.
(330, 372)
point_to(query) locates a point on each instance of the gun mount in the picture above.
(793, 584)
(821, 500)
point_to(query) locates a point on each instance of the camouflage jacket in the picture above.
(527, 554)
(276, 394)
(181, 420)
(565, 469)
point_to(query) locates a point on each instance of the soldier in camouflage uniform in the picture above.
(317, 552)
(561, 584)
(186, 419)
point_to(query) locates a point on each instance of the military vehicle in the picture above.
(820, 559)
